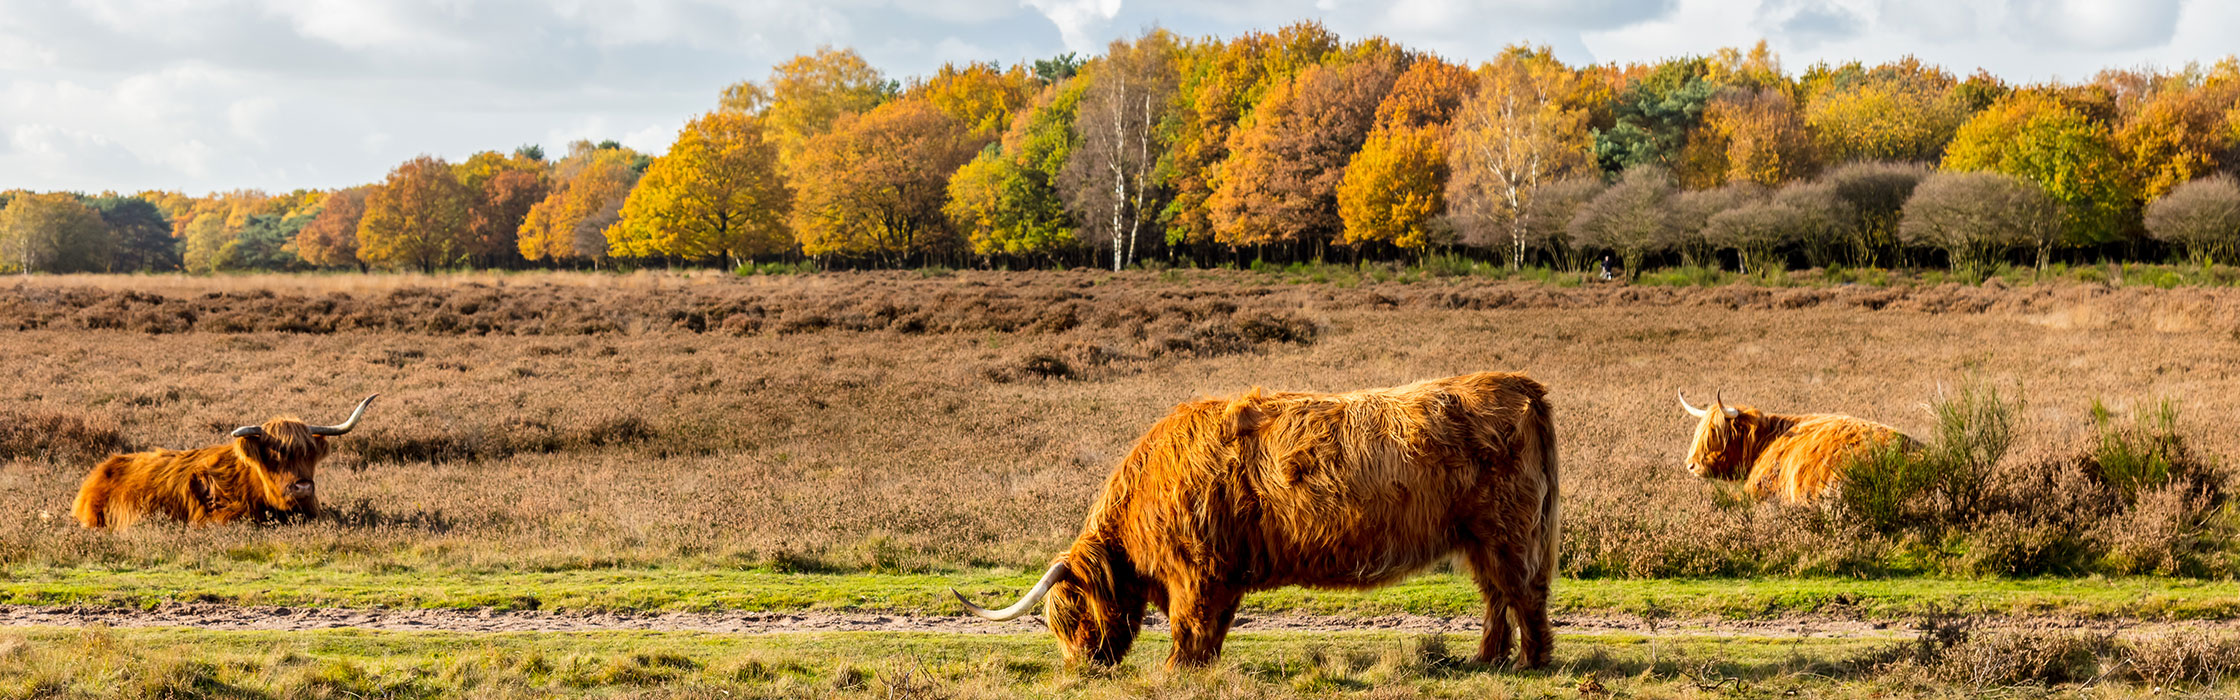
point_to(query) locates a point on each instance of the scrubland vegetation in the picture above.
(890, 422)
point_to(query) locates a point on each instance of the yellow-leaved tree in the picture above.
(716, 193)
(1395, 186)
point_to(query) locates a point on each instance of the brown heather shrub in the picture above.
(56, 437)
(2019, 657)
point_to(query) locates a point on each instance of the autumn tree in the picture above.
(2036, 137)
(979, 96)
(2176, 134)
(1394, 189)
(331, 239)
(589, 188)
(1280, 184)
(418, 217)
(804, 97)
(1006, 200)
(504, 187)
(1108, 180)
(874, 185)
(1749, 135)
(211, 229)
(1221, 85)
(501, 207)
(1976, 217)
(141, 232)
(716, 193)
(2201, 217)
(1522, 130)
(1897, 112)
(1629, 218)
(53, 232)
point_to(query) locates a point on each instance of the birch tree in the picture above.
(1518, 134)
(1109, 183)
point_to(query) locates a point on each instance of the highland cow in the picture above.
(1228, 496)
(1796, 458)
(265, 472)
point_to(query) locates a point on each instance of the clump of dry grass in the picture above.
(58, 437)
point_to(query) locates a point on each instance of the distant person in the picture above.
(1606, 273)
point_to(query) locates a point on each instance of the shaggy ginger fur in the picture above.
(1228, 496)
(1795, 458)
(254, 477)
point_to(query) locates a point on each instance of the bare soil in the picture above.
(285, 619)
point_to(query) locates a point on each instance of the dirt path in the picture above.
(227, 617)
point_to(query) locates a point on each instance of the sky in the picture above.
(215, 95)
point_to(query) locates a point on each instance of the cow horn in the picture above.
(1719, 399)
(248, 431)
(1034, 596)
(344, 428)
(1693, 411)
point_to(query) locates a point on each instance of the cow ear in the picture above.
(1243, 416)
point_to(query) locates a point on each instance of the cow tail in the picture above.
(1551, 533)
(93, 495)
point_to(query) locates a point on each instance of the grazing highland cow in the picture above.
(1798, 458)
(1228, 496)
(266, 471)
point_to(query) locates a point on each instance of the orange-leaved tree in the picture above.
(331, 240)
(589, 188)
(1280, 184)
(416, 218)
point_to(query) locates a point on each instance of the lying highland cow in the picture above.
(1228, 496)
(266, 471)
(1797, 458)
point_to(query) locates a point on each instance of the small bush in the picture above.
(56, 437)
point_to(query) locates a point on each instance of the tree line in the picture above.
(1285, 145)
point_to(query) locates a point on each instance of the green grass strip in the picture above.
(709, 590)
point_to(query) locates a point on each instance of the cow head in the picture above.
(1094, 608)
(1721, 446)
(284, 453)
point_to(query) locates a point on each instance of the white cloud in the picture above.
(1078, 20)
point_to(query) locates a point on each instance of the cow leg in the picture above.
(1200, 617)
(1494, 646)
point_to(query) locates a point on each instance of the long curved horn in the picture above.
(1693, 411)
(1033, 597)
(248, 430)
(344, 428)
(1719, 399)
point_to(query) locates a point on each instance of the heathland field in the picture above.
(851, 444)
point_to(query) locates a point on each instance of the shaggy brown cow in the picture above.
(1228, 496)
(1797, 458)
(265, 471)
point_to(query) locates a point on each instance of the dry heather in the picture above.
(894, 422)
